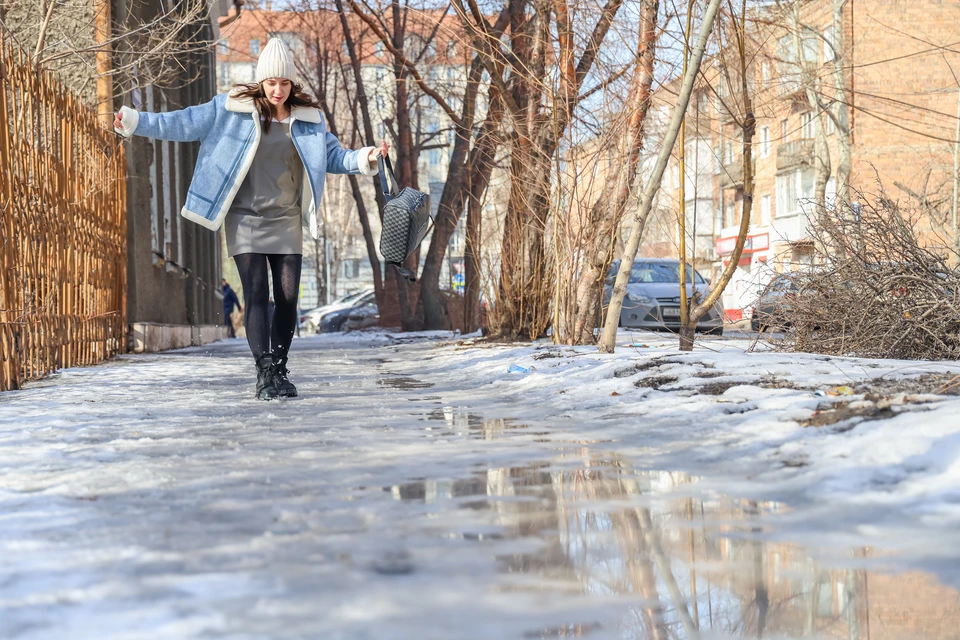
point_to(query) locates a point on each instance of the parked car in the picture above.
(653, 296)
(770, 310)
(335, 320)
(362, 317)
(310, 320)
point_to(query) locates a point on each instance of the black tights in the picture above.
(256, 294)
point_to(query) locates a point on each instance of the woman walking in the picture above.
(264, 155)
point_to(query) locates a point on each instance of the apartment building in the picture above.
(894, 69)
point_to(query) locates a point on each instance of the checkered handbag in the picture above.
(406, 220)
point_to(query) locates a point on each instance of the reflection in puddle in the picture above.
(402, 382)
(458, 421)
(693, 566)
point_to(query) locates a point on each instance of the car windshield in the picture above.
(662, 272)
(350, 297)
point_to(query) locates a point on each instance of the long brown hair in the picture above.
(297, 98)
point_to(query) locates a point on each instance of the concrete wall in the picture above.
(174, 264)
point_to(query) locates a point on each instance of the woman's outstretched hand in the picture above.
(379, 152)
(117, 120)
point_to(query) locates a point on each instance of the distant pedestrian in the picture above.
(230, 301)
(264, 154)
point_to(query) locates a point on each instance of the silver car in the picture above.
(653, 296)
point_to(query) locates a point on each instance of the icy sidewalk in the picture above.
(417, 490)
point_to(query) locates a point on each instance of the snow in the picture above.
(417, 489)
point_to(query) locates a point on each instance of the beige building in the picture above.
(900, 87)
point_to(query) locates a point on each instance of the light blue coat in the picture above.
(228, 130)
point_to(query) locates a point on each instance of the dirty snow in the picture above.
(419, 489)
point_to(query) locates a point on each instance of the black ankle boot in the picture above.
(266, 387)
(285, 388)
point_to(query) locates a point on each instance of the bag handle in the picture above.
(385, 166)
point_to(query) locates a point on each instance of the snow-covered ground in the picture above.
(427, 486)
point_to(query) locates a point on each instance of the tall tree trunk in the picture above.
(748, 127)
(366, 122)
(523, 299)
(431, 310)
(606, 214)
(609, 338)
(481, 167)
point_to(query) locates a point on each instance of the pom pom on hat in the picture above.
(276, 61)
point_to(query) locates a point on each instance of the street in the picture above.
(416, 490)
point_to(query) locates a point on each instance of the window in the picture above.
(765, 72)
(806, 125)
(764, 142)
(380, 73)
(831, 125)
(292, 39)
(717, 165)
(223, 47)
(787, 64)
(828, 54)
(381, 131)
(765, 210)
(255, 47)
(787, 194)
(431, 50)
(450, 73)
(702, 102)
(378, 48)
(351, 268)
(731, 213)
(729, 156)
(784, 130)
(811, 47)
(451, 49)
(380, 103)
(434, 157)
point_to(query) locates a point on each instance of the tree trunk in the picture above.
(748, 127)
(606, 214)
(481, 167)
(609, 338)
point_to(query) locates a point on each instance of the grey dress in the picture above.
(265, 214)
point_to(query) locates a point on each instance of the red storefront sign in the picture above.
(754, 243)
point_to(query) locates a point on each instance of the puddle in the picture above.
(403, 383)
(673, 559)
(458, 421)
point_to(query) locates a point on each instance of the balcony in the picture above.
(795, 154)
(731, 175)
(794, 227)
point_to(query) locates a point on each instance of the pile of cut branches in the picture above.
(882, 286)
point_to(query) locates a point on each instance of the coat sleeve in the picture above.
(186, 125)
(340, 160)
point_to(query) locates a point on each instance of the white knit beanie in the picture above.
(276, 61)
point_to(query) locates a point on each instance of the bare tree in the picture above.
(96, 51)
(603, 221)
(609, 338)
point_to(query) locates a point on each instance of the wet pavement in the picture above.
(150, 498)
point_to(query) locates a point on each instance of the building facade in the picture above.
(888, 65)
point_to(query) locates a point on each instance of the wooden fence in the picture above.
(63, 233)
